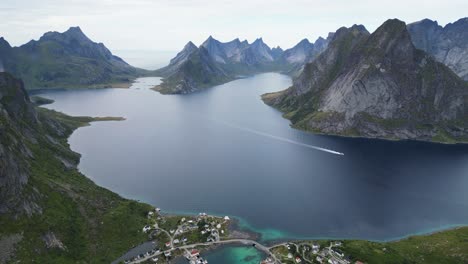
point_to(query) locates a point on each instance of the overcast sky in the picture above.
(169, 24)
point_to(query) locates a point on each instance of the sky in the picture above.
(167, 25)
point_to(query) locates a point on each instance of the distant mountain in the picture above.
(63, 60)
(377, 85)
(448, 44)
(226, 61)
(304, 52)
(192, 69)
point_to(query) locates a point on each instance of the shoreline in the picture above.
(235, 230)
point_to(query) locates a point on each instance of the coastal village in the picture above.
(175, 237)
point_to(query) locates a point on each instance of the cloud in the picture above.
(169, 24)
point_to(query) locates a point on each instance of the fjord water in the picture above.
(223, 151)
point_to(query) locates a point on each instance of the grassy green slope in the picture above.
(94, 224)
(445, 247)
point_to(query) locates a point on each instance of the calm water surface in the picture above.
(232, 254)
(223, 151)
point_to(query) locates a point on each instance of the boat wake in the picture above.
(278, 138)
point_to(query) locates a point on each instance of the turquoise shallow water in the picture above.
(234, 255)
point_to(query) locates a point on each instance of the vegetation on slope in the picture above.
(79, 222)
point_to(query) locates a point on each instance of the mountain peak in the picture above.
(390, 30)
(258, 41)
(426, 21)
(76, 32)
(76, 29)
(355, 30)
(393, 24)
(190, 46)
(4, 43)
(210, 42)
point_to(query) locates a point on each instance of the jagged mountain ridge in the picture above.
(377, 85)
(68, 59)
(230, 60)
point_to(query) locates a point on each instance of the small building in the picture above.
(290, 255)
(218, 226)
(226, 218)
(319, 259)
(194, 253)
(337, 243)
(168, 244)
(146, 228)
(298, 260)
(176, 241)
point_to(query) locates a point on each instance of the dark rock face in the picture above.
(18, 120)
(448, 44)
(377, 85)
(68, 59)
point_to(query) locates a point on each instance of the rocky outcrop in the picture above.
(377, 85)
(448, 44)
(18, 120)
(68, 59)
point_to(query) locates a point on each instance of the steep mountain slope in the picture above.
(50, 212)
(176, 62)
(191, 70)
(448, 44)
(377, 85)
(68, 59)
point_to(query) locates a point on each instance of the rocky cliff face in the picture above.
(68, 59)
(377, 85)
(18, 120)
(448, 44)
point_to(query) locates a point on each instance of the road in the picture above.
(221, 242)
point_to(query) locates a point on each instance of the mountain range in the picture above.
(66, 60)
(230, 60)
(215, 62)
(377, 85)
